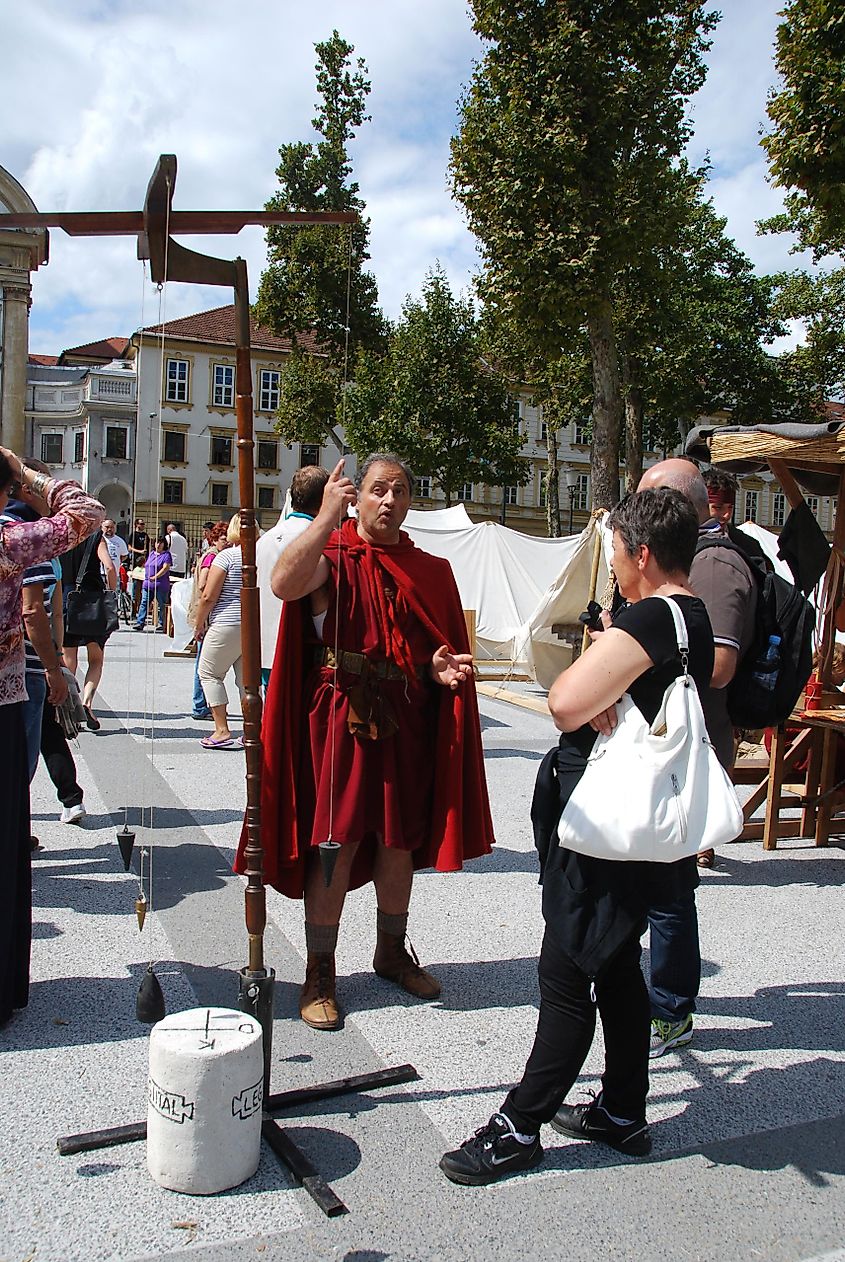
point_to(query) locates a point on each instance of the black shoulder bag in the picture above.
(90, 614)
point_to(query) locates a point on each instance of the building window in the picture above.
(266, 497)
(173, 491)
(582, 492)
(51, 449)
(268, 390)
(510, 495)
(751, 502)
(778, 508)
(542, 489)
(220, 494)
(176, 390)
(174, 442)
(268, 453)
(424, 488)
(117, 442)
(464, 492)
(221, 451)
(813, 505)
(544, 432)
(223, 386)
(79, 446)
(582, 434)
(309, 453)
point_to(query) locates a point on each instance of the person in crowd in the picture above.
(139, 549)
(207, 528)
(45, 681)
(306, 493)
(216, 538)
(371, 731)
(217, 622)
(118, 548)
(723, 580)
(73, 516)
(177, 546)
(156, 586)
(595, 909)
(722, 490)
(91, 570)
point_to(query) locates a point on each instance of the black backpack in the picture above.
(784, 611)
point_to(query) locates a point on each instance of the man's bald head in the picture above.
(682, 476)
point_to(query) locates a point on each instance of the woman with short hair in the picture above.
(595, 909)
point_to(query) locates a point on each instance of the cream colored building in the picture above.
(22, 251)
(186, 465)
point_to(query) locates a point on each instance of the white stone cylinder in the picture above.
(204, 1100)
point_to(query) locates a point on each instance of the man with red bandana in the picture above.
(371, 731)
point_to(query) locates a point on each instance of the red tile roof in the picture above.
(44, 361)
(834, 411)
(107, 348)
(218, 327)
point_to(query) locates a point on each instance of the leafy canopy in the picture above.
(434, 400)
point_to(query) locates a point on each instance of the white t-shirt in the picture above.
(268, 549)
(178, 546)
(117, 549)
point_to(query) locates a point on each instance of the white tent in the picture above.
(520, 586)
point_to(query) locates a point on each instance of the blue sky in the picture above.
(100, 91)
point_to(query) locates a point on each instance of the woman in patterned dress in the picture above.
(73, 515)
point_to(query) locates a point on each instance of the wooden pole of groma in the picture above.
(594, 571)
(169, 261)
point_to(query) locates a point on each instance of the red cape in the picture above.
(461, 826)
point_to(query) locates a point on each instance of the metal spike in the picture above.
(149, 1006)
(141, 909)
(126, 842)
(328, 858)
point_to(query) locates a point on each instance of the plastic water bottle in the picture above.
(766, 674)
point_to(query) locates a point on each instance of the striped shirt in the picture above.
(227, 611)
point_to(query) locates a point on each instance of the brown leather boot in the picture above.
(396, 963)
(317, 1003)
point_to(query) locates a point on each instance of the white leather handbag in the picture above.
(653, 793)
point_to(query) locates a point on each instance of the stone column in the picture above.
(14, 358)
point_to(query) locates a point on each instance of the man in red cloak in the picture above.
(371, 732)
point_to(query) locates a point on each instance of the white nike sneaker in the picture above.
(72, 814)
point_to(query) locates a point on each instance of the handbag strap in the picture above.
(681, 633)
(83, 565)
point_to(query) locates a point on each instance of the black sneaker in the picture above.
(491, 1153)
(590, 1121)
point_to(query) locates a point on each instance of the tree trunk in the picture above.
(552, 483)
(608, 409)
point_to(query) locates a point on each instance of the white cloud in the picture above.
(103, 89)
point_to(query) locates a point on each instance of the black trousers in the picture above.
(58, 758)
(565, 1028)
(15, 866)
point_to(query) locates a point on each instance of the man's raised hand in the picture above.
(338, 494)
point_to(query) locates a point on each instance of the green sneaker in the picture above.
(665, 1035)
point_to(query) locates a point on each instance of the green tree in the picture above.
(434, 400)
(313, 271)
(806, 153)
(569, 132)
(806, 148)
(693, 335)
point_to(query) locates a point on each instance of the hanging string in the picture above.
(336, 667)
(133, 512)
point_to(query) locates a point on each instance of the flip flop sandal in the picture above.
(91, 720)
(208, 742)
(706, 858)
